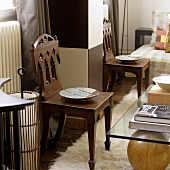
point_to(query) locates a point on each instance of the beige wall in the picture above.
(140, 15)
(73, 70)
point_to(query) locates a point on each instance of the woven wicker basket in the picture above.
(29, 134)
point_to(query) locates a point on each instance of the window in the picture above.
(7, 10)
(6, 4)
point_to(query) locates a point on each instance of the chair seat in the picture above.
(139, 68)
(80, 109)
(139, 63)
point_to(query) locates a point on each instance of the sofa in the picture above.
(158, 50)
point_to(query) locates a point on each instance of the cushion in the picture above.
(161, 36)
(159, 19)
(159, 60)
(167, 48)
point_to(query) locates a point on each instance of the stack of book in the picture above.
(152, 117)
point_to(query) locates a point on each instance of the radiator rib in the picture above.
(10, 54)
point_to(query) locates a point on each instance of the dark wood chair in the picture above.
(45, 55)
(111, 66)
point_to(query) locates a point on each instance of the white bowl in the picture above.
(163, 82)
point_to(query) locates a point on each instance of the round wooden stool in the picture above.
(148, 155)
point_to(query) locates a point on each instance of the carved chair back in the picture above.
(45, 56)
(107, 40)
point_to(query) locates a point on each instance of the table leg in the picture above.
(139, 39)
(1, 141)
(108, 120)
(16, 139)
(92, 144)
(7, 145)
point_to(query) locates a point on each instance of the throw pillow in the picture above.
(159, 19)
(161, 36)
(167, 48)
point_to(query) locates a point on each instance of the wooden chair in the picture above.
(111, 65)
(45, 55)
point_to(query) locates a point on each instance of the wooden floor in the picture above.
(71, 134)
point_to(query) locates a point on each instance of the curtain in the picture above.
(33, 16)
(114, 18)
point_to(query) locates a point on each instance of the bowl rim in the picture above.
(155, 79)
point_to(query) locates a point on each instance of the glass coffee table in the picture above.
(141, 142)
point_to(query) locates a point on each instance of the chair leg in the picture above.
(139, 82)
(105, 77)
(92, 142)
(146, 78)
(45, 118)
(62, 119)
(112, 81)
(108, 120)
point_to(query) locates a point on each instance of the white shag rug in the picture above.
(77, 156)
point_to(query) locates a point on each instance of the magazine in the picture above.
(158, 113)
(149, 126)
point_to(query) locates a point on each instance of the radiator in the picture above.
(10, 54)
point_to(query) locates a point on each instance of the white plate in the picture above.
(128, 58)
(79, 93)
